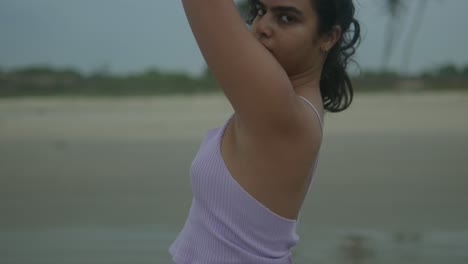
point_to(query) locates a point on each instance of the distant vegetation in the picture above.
(443, 78)
(46, 81)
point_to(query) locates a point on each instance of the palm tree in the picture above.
(395, 9)
(414, 29)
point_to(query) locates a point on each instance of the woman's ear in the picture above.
(330, 38)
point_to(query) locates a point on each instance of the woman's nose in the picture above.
(263, 27)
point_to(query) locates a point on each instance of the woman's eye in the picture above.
(287, 19)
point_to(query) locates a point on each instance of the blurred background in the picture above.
(103, 105)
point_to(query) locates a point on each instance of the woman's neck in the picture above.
(307, 82)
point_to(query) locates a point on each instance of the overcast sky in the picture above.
(133, 35)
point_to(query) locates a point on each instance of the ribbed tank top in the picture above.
(225, 223)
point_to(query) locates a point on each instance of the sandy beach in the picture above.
(107, 178)
(188, 117)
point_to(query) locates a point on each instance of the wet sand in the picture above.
(109, 177)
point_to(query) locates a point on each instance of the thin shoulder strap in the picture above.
(318, 115)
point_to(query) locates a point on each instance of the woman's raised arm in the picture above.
(253, 81)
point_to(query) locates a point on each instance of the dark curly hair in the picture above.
(335, 85)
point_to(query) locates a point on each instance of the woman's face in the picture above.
(288, 29)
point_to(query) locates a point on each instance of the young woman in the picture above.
(251, 175)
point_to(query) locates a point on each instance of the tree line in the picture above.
(44, 81)
(47, 81)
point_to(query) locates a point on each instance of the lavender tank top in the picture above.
(225, 223)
